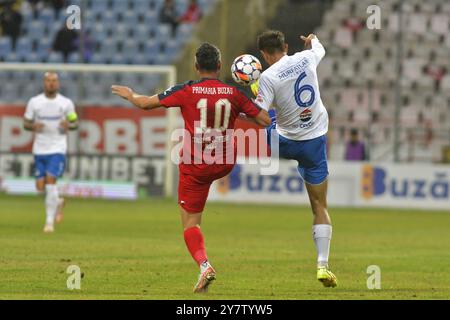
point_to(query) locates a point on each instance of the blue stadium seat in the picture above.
(162, 59)
(9, 93)
(109, 19)
(108, 48)
(121, 31)
(99, 6)
(141, 6)
(130, 48)
(140, 59)
(43, 48)
(23, 47)
(55, 57)
(98, 58)
(30, 90)
(142, 33)
(35, 33)
(98, 32)
(107, 78)
(151, 19)
(184, 32)
(89, 19)
(151, 49)
(130, 18)
(46, 16)
(5, 46)
(74, 57)
(120, 6)
(32, 57)
(11, 57)
(164, 31)
(75, 2)
(156, 5)
(118, 59)
(151, 81)
(70, 91)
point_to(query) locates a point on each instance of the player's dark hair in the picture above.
(271, 41)
(208, 57)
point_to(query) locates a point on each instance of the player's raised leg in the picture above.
(195, 243)
(322, 231)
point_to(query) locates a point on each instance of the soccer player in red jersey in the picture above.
(209, 108)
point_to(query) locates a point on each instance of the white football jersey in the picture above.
(49, 112)
(291, 87)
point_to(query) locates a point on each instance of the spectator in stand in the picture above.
(88, 45)
(353, 24)
(168, 14)
(192, 14)
(436, 72)
(355, 149)
(11, 22)
(35, 7)
(65, 42)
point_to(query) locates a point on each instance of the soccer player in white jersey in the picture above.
(50, 116)
(290, 86)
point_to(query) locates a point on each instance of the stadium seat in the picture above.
(120, 6)
(141, 6)
(445, 83)
(119, 59)
(5, 46)
(163, 31)
(151, 19)
(130, 18)
(74, 57)
(440, 24)
(55, 57)
(46, 16)
(23, 47)
(99, 7)
(35, 33)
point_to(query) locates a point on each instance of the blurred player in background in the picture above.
(50, 116)
(209, 107)
(290, 85)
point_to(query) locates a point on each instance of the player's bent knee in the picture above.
(40, 186)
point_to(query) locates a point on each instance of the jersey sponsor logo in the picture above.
(212, 90)
(306, 115)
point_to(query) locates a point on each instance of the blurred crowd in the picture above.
(169, 14)
(68, 41)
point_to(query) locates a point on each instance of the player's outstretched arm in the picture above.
(140, 101)
(312, 43)
(308, 40)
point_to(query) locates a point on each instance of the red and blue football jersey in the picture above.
(209, 108)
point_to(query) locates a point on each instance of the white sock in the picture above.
(205, 265)
(51, 203)
(322, 237)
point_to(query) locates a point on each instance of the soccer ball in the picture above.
(246, 69)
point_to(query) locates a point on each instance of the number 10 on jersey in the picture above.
(222, 106)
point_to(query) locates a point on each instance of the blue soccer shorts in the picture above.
(49, 165)
(311, 156)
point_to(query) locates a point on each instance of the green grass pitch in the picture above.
(135, 250)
